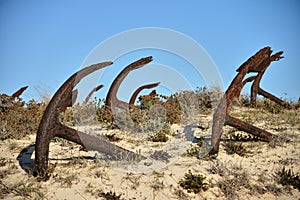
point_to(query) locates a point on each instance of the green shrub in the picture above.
(194, 182)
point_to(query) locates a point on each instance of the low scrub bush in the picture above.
(194, 182)
(18, 118)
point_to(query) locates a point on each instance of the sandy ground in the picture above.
(84, 175)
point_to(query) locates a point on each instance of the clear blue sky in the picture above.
(43, 42)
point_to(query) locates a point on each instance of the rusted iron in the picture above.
(111, 99)
(255, 88)
(86, 100)
(137, 91)
(240, 87)
(50, 126)
(273, 98)
(257, 63)
(243, 126)
(19, 92)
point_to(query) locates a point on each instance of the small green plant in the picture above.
(287, 177)
(108, 195)
(193, 151)
(194, 182)
(159, 137)
(233, 147)
(67, 180)
(200, 151)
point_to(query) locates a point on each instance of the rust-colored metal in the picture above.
(273, 98)
(255, 88)
(243, 126)
(19, 92)
(240, 87)
(257, 63)
(86, 100)
(50, 126)
(137, 91)
(111, 98)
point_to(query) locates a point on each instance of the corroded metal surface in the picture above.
(111, 98)
(255, 89)
(51, 127)
(137, 91)
(257, 63)
(91, 93)
(19, 92)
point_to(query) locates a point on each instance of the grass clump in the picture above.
(272, 107)
(193, 182)
(68, 180)
(230, 185)
(287, 177)
(27, 190)
(233, 181)
(233, 147)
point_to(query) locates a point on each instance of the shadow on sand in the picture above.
(27, 163)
